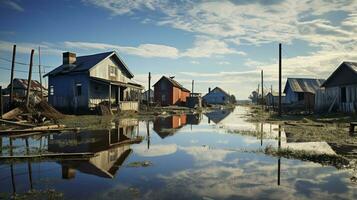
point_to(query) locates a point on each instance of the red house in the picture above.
(167, 91)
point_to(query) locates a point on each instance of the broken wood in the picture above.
(15, 123)
(12, 114)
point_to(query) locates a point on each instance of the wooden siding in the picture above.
(101, 70)
(166, 94)
(332, 95)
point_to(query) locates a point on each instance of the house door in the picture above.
(343, 95)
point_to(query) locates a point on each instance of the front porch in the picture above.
(119, 96)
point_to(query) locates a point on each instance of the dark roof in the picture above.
(304, 84)
(351, 66)
(173, 82)
(85, 63)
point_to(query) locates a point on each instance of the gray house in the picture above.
(301, 91)
(217, 96)
(84, 82)
(339, 91)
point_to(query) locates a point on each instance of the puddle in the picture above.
(180, 157)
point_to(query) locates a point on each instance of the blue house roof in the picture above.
(85, 63)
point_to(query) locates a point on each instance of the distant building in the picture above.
(272, 99)
(339, 90)
(144, 96)
(20, 88)
(168, 91)
(217, 96)
(301, 91)
(84, 82)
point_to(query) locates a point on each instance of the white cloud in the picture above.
(155, 150)
(224, 63)
(12, 4)
(203, 47)
(194, 62)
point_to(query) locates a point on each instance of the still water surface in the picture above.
(185, 156)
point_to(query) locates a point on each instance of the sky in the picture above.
(216, 43)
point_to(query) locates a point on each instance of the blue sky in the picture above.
(216, 43)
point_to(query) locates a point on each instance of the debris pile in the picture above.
(35, 118)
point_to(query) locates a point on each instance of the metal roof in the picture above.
(85, 63)
(350, 65)
(304, 84)
(173, 82)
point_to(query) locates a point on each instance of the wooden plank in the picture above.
(12, 113)
(15, 123)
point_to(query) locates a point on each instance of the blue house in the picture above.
(301, 91)
(217, 96)
(84, 82)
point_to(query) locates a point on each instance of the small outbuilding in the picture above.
(272, 99)
(168, 91)
(301, 91)
(145, 95)
(217, 96)
(339, 91)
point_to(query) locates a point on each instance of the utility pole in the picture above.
(272, 95)
(149, 92)
(12, 75)
(29, 80)
(39, 70)
(279, 79)
(258, 94)
(262, 90)
(1, 103)
(193, 83)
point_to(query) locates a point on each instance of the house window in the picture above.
(300, 96)
(78, 89)
(112, 71)
(52, 90)
(343, 95)
(163, 98)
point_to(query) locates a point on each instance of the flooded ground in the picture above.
(209, 156)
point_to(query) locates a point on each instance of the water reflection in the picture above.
(191, 159)
(169, 125)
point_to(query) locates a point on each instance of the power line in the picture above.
(25, 64)
(16, 70)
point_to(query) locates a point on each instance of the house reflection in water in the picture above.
(111, 148)
(218, 115)
(169, 125)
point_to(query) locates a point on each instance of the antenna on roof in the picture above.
(172, 77)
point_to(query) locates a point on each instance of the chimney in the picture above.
(69, 58)
(209, 90)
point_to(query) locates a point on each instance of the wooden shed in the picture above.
(301, 91)
(339, 91)
(168, 91)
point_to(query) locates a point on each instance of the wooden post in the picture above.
(12, 75)
(258, 94)
(1, 104)
(29, 80)
(110, 98)
(279, 79)
(272, 101)
(39, 70)
(262, 90)
(149, 93)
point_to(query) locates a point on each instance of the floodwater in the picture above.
(207, 156)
